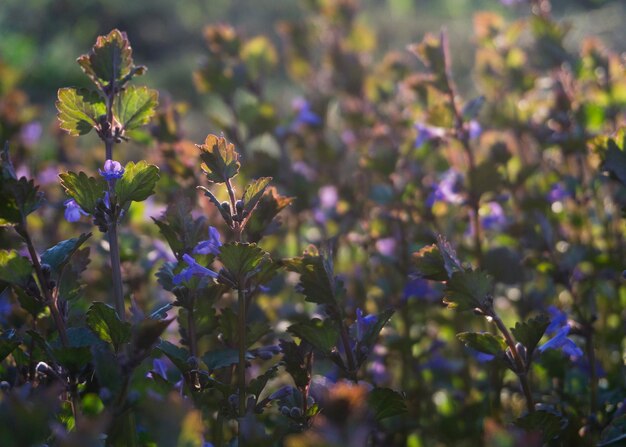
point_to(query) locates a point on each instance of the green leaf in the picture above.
(219, 159)
(469, 290)
(107, 368)
(106, 324)
(137, 183)
(134, 106)
(615, 433)
(549, 424)
(177, 355)
(84, 190)
(146, 333)
(70, 286)
(483, 342)
(429, 263)
(253, 193)
(228, 327)
(59, 255)
(450, 259)
(530, 332)
(321, 334)
(242, 260)
(257, 385)
(9, 341)
(181, 230)
(110, 59)
(18, 198)
(262, 221)
(77, 353)
(256, 331)
(79, 110)
(385, 402)
(223, 358)
(317, 282)
(14, 269)
(295, 360)
(615, 162)
(431, 52)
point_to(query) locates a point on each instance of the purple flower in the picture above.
(31, 133)
(512, 2)
(428, 133)
(474, 129)
(557, 193)
(112, 170)
(448, 189)
(560, 341)
(421, 289)
(73, 211)
(305, 115)
(386, 246)
(194, 269)
(558, 319)
(363, 323)
(211, 245)
(494, 218)
(481, 357)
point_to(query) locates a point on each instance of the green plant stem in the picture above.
(116, 271)
(54, 308)
(522, 369)
(241, 367)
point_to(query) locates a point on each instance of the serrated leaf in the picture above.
(530, 332)
(450, 259)
(79, 110)
(253, 193)
(294, 358)
(483, 342)
(77, 353)
(317, 282)
(14, 269)
(242, 260)
(137, 183)
(177, 355)
(321, 334)
(18, 198)
(429, 263)
(83, 189)
(9, 341)
(385, 402)
(110, 59)
(257, 385)
(70, 285)
(104, 321)
(549, 424)
(219, 159)
(59, 255)
(468, 290)
(134, 106)
(262, 221)
(181, 230)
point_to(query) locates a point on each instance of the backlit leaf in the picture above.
(79, 110)
(469, 290)
(220, 161)
(83, 189)
(137, 183)
(134, 106)
(483, 342)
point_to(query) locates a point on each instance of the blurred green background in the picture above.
(42, 38)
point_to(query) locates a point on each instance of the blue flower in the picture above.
(494, 218)
(558, 193)
(448, 189)
(73, 211)
(194, 269)
(474, 129)
(560, 341)
(421, 289)
(211, 245)
(112, 170)
(305, 114)
(428, 133)
(363, 323)
(558, 319)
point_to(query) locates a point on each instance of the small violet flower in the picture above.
(194, 269)
(305, 115)
(558, 319)
(112, 170)
(558, 192)
(421, 289)
(475, 129)
(428, 133)
(560, 341)
(73, 211)
(211, 245)
(447, 190)
(363, 323)
(386, 246)
(493, 218)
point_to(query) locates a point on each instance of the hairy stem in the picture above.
(241, 367)
(54, 308)
(522, 370)
(116, 271)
